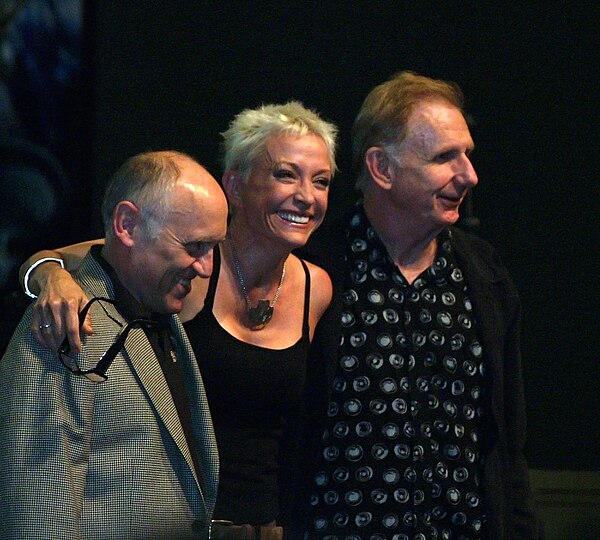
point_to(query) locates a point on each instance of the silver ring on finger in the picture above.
(45, 327)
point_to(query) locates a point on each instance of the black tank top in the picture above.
(252, 392)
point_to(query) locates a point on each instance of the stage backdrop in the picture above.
(141, 75)
(172, 75)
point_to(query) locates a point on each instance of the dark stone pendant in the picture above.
(260, 315)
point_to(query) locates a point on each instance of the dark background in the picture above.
(172, 74)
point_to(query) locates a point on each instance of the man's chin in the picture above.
(449, 217)
(173, 304)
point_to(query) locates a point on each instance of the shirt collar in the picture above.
(127, 305)
(444, 267)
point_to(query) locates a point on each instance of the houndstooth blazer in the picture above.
(81, 460)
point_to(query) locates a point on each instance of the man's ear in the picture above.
(126, 218)
(380, 167)
(232, 181)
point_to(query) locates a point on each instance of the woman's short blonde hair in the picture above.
(245, 139)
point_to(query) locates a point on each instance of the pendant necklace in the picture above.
(262, 313)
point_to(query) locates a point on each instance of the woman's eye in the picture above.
(283, 173)
(323, 182)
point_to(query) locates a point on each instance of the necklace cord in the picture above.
(262, 313)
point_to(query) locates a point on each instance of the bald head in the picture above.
(196, 196)
(148, 181)
(163, 213)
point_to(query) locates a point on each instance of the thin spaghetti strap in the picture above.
(214, 278)
(305, 324)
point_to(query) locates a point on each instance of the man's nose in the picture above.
(203, 265)
(467, 175)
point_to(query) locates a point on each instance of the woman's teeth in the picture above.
(294, 218)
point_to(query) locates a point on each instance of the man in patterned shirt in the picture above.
(425, 420)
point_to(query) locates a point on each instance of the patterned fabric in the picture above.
(82, 460)
(401, 452)
(160, 338)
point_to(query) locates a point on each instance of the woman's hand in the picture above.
(56, 311)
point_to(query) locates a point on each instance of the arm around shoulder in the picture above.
(60, 299)
(34, 272)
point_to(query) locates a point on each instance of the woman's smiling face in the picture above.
(286, 193)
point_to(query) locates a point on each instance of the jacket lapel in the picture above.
(139, 353)
(482, 280)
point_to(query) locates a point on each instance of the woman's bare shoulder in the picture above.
(321, 289)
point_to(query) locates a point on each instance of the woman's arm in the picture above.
(71, 256)
(60, 299)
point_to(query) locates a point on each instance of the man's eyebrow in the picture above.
(194, 244)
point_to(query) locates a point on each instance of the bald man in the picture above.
(113, 438)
